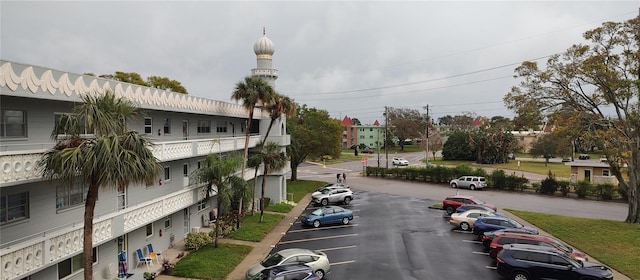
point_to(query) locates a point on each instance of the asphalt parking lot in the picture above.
(393, 237)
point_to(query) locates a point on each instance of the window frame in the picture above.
(221, 127)
(203, 204)
(70, 261)
(149, 230)
(69, 194)
(204, 127)
(4, 123)
(148, 127)
(166, 127)
(5, 212)
(167, 173)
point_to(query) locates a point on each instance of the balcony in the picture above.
(21, 166)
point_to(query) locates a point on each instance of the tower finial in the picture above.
(264, 31)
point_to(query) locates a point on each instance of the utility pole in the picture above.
(426, 147)
(386, 134)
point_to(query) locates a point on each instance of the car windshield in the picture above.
(517, 225)
(478, 201)
(317, 212)
(325, 191)
(562, 246)
(272, 260)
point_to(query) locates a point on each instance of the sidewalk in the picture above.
(260, 249)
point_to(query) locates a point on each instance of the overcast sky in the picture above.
(349, 57)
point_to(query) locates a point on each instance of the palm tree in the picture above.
(219, 172)
(252, 91)
(272, 158)
(281, 105)
(108, 156)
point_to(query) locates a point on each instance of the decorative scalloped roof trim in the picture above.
(142, 96)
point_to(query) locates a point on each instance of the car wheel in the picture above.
(519, 275)
(472, 187)
(320, 273)
(449, 209)
(465, 226)
(345, 221)
(454, 185)
(324, 202)
(316, 223)
(347, 200)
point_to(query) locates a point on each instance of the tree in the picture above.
(446, 120)
(546, 146)
(218, 173)
(95, 148)
(406, 123)
(356, 121)
(492, 145)
(501, 122)
(459, 146)
(313, 134)
(272, 158)
(126, 77)
(599, 82)
(166, 83)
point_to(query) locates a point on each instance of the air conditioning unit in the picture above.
(195, 229)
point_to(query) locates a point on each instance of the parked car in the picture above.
(367, 151)
(452, 202)
(335, 195)
(469, 182)
(400, 161)
(525, 262)
(511, 156)
(330, 186)
(287, 271)
(517, 238)
(584, 156)
(466, 219)
(327, 215)
(603, 158)
(483, 224)
(488, 236)
(318, 261)
(464, 207)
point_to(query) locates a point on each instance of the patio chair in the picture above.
(154, 254)
(143, 259)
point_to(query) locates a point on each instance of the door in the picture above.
(587, 175)
(185, 129)
(122, 243)
(186, 215)
(122, 197)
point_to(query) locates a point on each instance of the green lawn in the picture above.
(559, 169)
(280, 208)
(210, 262)
(617, 244)
(252, 229)
(301, 188)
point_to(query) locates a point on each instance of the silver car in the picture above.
(469, 182)
(335, 195)
(318, 261)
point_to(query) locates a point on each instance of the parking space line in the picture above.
(318, 238)
(337, 248)
(344, 262)
(480, 253)
(491, 267)
(323, 228)
(472, 241)
(462, 231)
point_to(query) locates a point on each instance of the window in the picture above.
(370, 129)
(370, 136)
(200, 164)
(147, 125)
(605, 172)
(361, 136)
(167, 222)
(203, 204)
(185, 170)
(149, 230)
(14, 207)
(221, 127)
(13, 123)
(167, 173)
(64, 117)
(74, 264)
(167, 126)
(204, 127)
(71, 195)
(538, 257)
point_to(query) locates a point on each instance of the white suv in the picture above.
(400, 161)
(471, 182)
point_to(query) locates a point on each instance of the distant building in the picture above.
(371, 136)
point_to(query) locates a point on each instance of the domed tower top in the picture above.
(264, 56)
(263, 45)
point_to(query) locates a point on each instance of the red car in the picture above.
(451, 203)
(518, 238)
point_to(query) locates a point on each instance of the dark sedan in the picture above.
(328, 215)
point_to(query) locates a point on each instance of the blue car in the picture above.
(464, 207)
(327, 215)
(485, 224)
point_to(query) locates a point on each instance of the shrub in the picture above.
(582, 188)
(498, 179)
(195, 241)
(226, 227)
(605, 191)
(565, 187)
(622, 191)
(536, 187)
(549, 185)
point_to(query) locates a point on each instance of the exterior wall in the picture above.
(526, 139)
(50, 235)
(598, 175)
(371, 136)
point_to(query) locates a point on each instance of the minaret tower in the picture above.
(264, 53)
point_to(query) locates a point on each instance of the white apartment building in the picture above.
(41, 221)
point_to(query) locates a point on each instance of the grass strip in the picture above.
(614, 243)
(280, 208)
(210, 262)
(252, 229)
